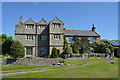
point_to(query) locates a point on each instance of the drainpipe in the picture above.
(36, 38)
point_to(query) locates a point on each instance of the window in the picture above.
(29, 37)
(91, 49)
(69, 39)
(56, 36)
(29, 50)
(43, 38)
(56, 25)
(91, 39)
(43, 50)
(42, 26)
(30, 26)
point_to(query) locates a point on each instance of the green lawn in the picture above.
(6, 68)
(98, 69)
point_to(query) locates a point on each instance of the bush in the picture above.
(68, 50)
(75, 48)
(17, 50)
(107, 50)
(54, 53)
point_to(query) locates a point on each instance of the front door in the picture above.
(58, 52)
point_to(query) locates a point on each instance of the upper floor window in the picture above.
(56, 25)
(30, 26)
(91, 39)
(70, 39)
(43, 37)
(42, 26)
(29, 37)
(56, 36)
(29, 50)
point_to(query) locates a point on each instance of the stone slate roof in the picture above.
(115, 43)
(81, 33)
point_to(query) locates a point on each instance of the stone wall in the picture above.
(30, 62)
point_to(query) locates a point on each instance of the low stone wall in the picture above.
(31, 62)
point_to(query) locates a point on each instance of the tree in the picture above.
(100, 48)
(104, 47)
(75, 45)
(85, 45)
(54, 53)
(65, 44)
(109, 45)
(75, 48)
(68, 50)
(107, 50)
(5, 44)
(17, 50)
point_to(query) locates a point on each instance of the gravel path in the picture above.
(43, 69)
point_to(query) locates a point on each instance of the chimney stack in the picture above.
(93, 27)
(20, 21)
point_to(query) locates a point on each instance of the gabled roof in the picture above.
(81, 33)
(30, 21)
(56, 20)
(115, 43)
(42, 21)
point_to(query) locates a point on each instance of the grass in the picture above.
(94, 70)
(73, 61)
(67, 61)
(6, 68)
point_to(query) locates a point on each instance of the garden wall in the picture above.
(31, 62)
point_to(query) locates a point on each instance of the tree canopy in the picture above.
(5, 44)
(17, 50)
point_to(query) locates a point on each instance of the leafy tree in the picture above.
(17, 50)
(54, 53)
(85, 45)
(75, 48)
(107, 50)
(65, 44)
(75, 45)
(64, 28)
(5, 44)
(109, 45)
(100, 48)
(68, 50)
(104, 47)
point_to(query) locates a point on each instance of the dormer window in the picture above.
(30, 26)
(56, 25)
(42, 26)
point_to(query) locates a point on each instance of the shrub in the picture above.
(17, 50)
(75, 48)
(67, 50)
(54, 53)
(107, 50)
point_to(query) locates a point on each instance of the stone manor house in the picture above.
(40, 38)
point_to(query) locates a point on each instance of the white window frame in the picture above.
(56, 36)
(30, 26)
(43, 50)
(91, 39)
(69, 40)
(29, 37)
(56, 25)
(42, 26)
(30, 50)
(43, 37)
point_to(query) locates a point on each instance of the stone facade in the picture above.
(39, 38)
